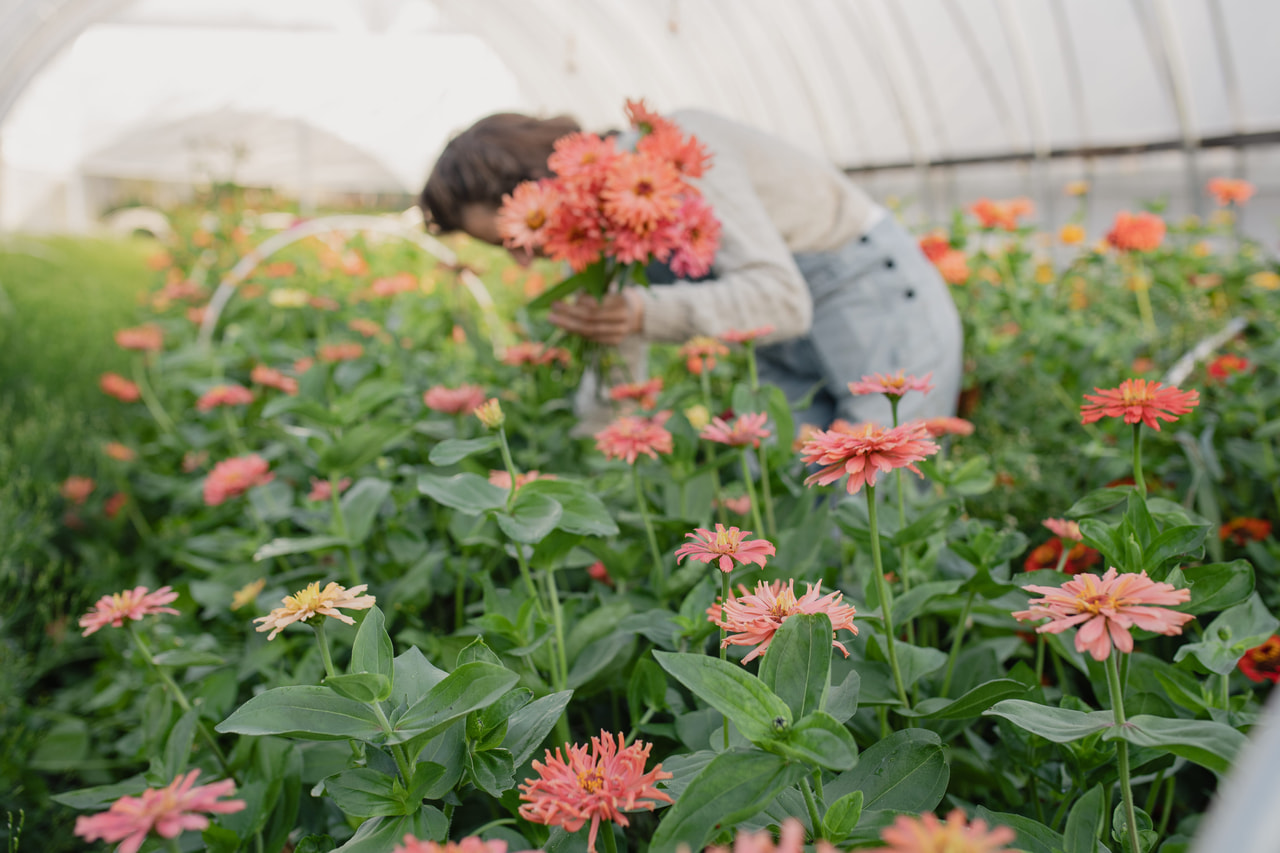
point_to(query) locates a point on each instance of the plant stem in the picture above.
(324, 648)
(751, 493)
(340, 521)
(528, 580)
(1139, 483)
(819, 831)
(149, 398)
(509, 463)
(1040, 646)
(725, 592)
(722, 514)
(886, 605)
(771, 524)
(233, 432)
(1122, 752)
(659, 570)
(557, 619)
(956, 640)
(1226, 691)
(397, 749)
(610, 843)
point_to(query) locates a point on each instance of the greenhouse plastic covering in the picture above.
(926, 97)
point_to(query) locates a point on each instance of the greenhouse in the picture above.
(480, 426)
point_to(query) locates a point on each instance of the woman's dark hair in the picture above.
(488, 160)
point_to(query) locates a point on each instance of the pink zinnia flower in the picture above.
(598, 572)
(582, 154)
(938, 427)
(534, 354)
(646, 393)
(740, 505)
(753, 618)
(148, 338)
(1105, 608)
(726, 546)
(462, 400)
(331, 353)
(224, 395)
(271, 378)
(365, 326)
(131, 604)
(630, 435)
(233, 477)
(891, 385)
(170, 811)
(525, 214)
(403, 282)
(502, 479)
(640, 190)
(1136, 232)
(592, 784)
(322, 490)
(697, 239)
(1227, 191)
(470, 844)
(1139, 400)
(115, 385)
(1065, 528)
(76, 490)
(791, 840)
(111, 506)
(865, 452)
(574, 236)
(313, 601)
(742, 336)
(746, 429)
(927, 834)
(700, 353)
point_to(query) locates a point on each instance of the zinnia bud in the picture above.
(490, 413)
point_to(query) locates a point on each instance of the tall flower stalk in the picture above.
(1122, 754)
(886, 602)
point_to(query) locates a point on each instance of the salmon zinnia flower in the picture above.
(1136, 232)
(752, 618)
(791, 840)
(224, 395)
(593, 783)
(247, 594)
(895, 385)
(525, 213)
(322, 490)
(640, 191)
(630, 435)
(502, 479)
(148, 338)
(1105, 608)
(697, 239)
(742, 336)
(646, 393)
(1065, 528)
(115, 385)
(700, 353)
(1262, 663)
(470, 844)
(1001, 214)
(953, 266)
(1139, 401)
(269, 377)
(1243, 530)
(745, 429)
(131, 604)
(169, 811)
(313, 601)
(866, 451)
(1228, 191)
(938, 427)
(331, 353)
(76, 490)
(927, 834)
(725, 546)
(233, 477)
(462, 400)
(119, 452)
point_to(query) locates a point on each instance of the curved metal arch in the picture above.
(1166, 54)
(829, 54)
(985, 72)
(328, 225)
(923, 83)
(1071, 64)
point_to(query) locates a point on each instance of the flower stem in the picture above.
(1122, 752)
(659, 570)
(903, 568)
(509, 463)
(725, 592)
(149, 398)
(819, 831)
(233, 432)
(1138, 482)
(770, 523)
(751, 493)
(956, 640)
(557, 619)
(528, 581)
(397, 750)
(610, 843)
(886, 606)
(324, 648)
(340, 521)
(722, 514)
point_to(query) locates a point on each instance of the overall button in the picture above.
(910, 294)
(864, 239)
(888, 263)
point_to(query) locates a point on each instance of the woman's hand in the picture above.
(608, 321)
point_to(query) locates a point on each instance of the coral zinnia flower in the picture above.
(896, 385)
(111, 506)
(462, 400)
(700, 353)
(403, 282)
(1049, 554)
(233, 477)
(525, 214)
(742, 336)
(224, 395)
(644, 119)
(502, 479)
(534, 354)
(598, 572)
(1228, 191)
(331, 353)
(938, 427)
(131, 604)
(470, 844)
(935, 244)
(1262, 663)
(313, 601)
(1136, 232)
(119, 452)
(746, 429)
(1242, 530)
(115, 385)
(271, 378)
(865, 451)
(697, 238)
(322, 490)
(791, 840)
(1064, 528)
(726, 546)
(740, 505)
(365, 326)
(953, 266)
(170, 811)
(582, 154)
(630, 435)
(644, 392)
(596, 783)
(1139, 400)
(76, 490)
(147, 338)
(1105, 608)
(751, 619)
(927, 834)
(689, 156)
(1001, 214)
(574, 236)
(640, 191)
(1225, 366)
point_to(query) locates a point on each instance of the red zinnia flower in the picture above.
(1049, 554)
(599, 573)
(269, 377)
(896, 385)
(644, 392)
(111, 506)
(224, 395)
(1225, 366)
(746, 429)
(927, 834)
(322, 490)
(1139, 400)
(131, 604)
(233, 477)
(630, 435)
(1242, 530)
(726, 546)
(1262, 663)
(148, 338)
(593, 783)
(934, 245)
(331, 353)
(462, 400)
(1136, 232)
(1227, 191)
(115, 385)
(866, 451)
(751, 619)
(76, 490)
(170, 811)
(700, 353)
(1105, 608)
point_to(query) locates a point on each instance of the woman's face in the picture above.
(481, 222)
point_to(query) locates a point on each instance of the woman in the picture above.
(802, 249)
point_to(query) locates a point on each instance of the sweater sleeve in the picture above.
(756, 280)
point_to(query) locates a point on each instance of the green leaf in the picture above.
(101, 796)
(582, 512)
(819, 740)
(647, 687)
(467, 493)
(1098, 501)
(372, 651)
(590, 279)
(360, 507)
(308, 711)
(527, 727)
(189, 657)
(360, 445)
(757, 712)
(531, 518)
(1205, 742)
(365, 792)
(916, 661)
(842, 701)
(907, 771)
(1184, 541)
(361, 686)
(798, 665)
(414, 676)
(1147, 836)
(843, 815)
(478, 650)
(1084, 822)
(1032, 836)
(1216, 586)
(380, 834)
(468, 688)
(454, 450)
(1230, 635)
(493, 771)
(366, 397)
(1060, 725)
(971, 704)
(733, 787)
(281, 547)
(177, 747)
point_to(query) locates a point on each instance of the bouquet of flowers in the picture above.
(608, 213)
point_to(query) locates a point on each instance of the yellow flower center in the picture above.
(307, 599)
(1096, 602)
(725, 543)
(535, 219)
(1268, 654)
(591, 780)
(644, 188)
(784, 604)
